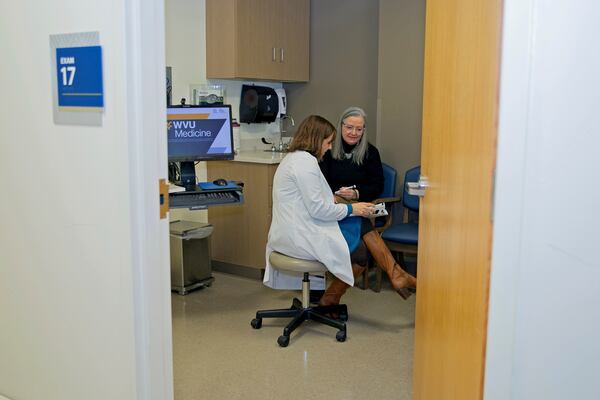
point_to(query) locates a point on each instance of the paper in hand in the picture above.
(379, 210)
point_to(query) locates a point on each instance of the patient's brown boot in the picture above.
(337, 288)
(400, 279)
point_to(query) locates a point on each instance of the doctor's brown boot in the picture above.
(400, 279)
(337, 288)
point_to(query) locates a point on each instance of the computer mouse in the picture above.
(220, 182)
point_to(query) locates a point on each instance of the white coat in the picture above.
(305, 222)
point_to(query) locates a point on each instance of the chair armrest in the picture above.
(387, 200)
(388, 219)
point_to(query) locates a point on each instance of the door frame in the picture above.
(515, 68)
(145, 43)
(146, 102)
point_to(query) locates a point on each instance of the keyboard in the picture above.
(196, 200)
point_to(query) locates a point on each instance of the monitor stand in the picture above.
(187, 172)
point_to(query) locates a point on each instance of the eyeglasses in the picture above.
(350, 128)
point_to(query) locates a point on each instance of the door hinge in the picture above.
(163, 193)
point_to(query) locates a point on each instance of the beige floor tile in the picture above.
(217, 354)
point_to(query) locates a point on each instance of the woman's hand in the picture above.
(363, 209)
(348, 193)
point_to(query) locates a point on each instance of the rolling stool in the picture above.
(301, 311)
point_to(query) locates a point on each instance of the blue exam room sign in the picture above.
(79, 77)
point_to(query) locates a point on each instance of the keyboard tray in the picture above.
(203, 199)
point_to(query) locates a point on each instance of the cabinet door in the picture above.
(257, 24)
(220, 39)
(293, 42)
(258, 39)
(240, 231)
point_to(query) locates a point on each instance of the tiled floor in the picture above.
(217, 354)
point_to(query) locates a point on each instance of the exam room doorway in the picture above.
(438, 113)
(363, 311)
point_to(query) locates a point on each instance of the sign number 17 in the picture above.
(68, 74)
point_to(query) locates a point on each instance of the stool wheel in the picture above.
(256, 323)
(283, 340)
(341, 336)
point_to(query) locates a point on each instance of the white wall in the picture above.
(343, 62)
(68, 297)
(400, 84)
(544, 314)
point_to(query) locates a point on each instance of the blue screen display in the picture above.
(197, 133)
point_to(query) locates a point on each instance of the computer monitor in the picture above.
(198, 133)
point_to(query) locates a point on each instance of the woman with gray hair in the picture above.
(353, 166)
(354, 172)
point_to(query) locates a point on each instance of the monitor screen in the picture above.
(199, 133)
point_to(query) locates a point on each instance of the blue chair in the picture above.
(403, 238)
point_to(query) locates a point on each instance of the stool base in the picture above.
(300, 314)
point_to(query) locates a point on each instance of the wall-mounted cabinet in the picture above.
(258, 39)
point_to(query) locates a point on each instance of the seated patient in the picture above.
(305, 216)
(354, 172)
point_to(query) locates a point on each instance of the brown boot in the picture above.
(400, 279)
(337, 288)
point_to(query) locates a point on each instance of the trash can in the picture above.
(190, 256)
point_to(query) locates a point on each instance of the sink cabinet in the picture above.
(240, 232)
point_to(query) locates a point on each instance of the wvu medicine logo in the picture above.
(187, 129)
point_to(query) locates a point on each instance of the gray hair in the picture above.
(360, 151)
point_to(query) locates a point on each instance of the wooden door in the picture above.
(460, 109)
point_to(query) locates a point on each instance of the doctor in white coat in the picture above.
(305, 216)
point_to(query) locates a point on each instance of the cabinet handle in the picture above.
(274, 54)
(282, 53)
